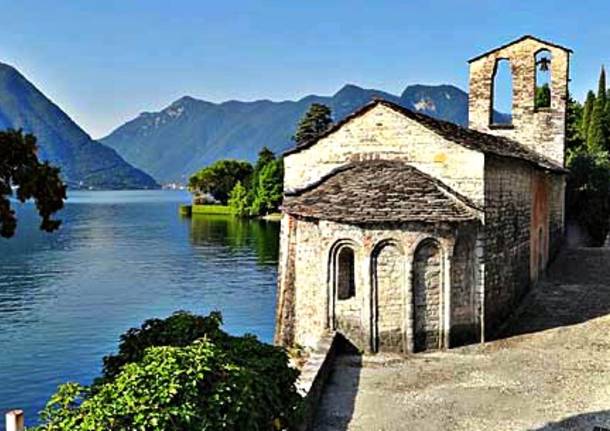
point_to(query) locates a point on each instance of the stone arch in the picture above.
(463, 316)
(501, 101)
(345, 273)
(388, 310)
(343, 309)
(427, 297)
(543, 79)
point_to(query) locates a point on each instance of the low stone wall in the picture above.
(314, 375)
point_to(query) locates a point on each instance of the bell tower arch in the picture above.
(535, 124)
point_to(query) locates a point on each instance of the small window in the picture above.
(543, 79)
(502, 94)
(346, 286)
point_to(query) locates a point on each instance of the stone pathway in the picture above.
(550, 373)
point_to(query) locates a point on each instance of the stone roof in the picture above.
(521, 39)
(472, 139)
(379, 191)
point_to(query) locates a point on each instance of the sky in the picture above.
(105, 61)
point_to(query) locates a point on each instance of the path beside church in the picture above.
(550, 372)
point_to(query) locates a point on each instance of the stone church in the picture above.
(406, 233)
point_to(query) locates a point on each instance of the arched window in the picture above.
(346, 285)
(502, 94)
(543, 79)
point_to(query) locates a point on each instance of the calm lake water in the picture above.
(120, 258)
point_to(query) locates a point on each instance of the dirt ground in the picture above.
(550, 371)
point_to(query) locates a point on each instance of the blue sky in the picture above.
(106, 61)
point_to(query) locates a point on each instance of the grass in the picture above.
(211, 209)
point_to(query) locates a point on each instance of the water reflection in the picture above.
(119, 259)
(237, 233)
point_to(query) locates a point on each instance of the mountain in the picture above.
(83, 161)
(190, 133)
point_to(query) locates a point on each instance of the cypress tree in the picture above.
(586, 115)
(315, 122)
(598, 130)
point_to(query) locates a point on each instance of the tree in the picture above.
(588, 192)
(586, 115)
(574, 120)
(220, 178)
(238, 200)
(268, 190)
(264, 156)
(32, 179)
(185, 374)
(315, 122)
(542, 99)
(597, 135)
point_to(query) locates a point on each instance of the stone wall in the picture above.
(508, 212)
(523, 224)
(427, 296)
(381, 314)
(386, 134)
(465, 302)
(542, 129)
(389, 276)
(557, 215)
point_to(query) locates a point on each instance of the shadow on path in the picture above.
(576, 289)
(592, 421)
(338, 401)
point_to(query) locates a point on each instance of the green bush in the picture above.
(588, 192)
(182, 373)
(219, 178)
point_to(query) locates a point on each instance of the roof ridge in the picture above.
(437, 125)
(520, 39)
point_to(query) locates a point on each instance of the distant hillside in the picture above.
(83, 161)
(191, 133)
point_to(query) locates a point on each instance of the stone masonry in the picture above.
(405, 233)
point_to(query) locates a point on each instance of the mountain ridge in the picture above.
(84, 162)
(190, 133)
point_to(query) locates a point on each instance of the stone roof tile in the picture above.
(379, 191)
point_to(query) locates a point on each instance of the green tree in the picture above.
(32, 179)
(264, 156)
(587, 193)
(268, 190)
(586, 115)
(185, 374)
(238, 200)
(597, 135)
(219, 178)
(542, 99)
(574, 120)
(315, 122)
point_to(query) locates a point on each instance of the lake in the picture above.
(119, 259)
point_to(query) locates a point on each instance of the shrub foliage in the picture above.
(182, 373)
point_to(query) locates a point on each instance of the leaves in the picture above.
(238, 200)
(315, 122)
(219, 178)
(182, 373)
(587, 141)
(265, 189)
(20, 167)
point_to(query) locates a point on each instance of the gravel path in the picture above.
(551, 372)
